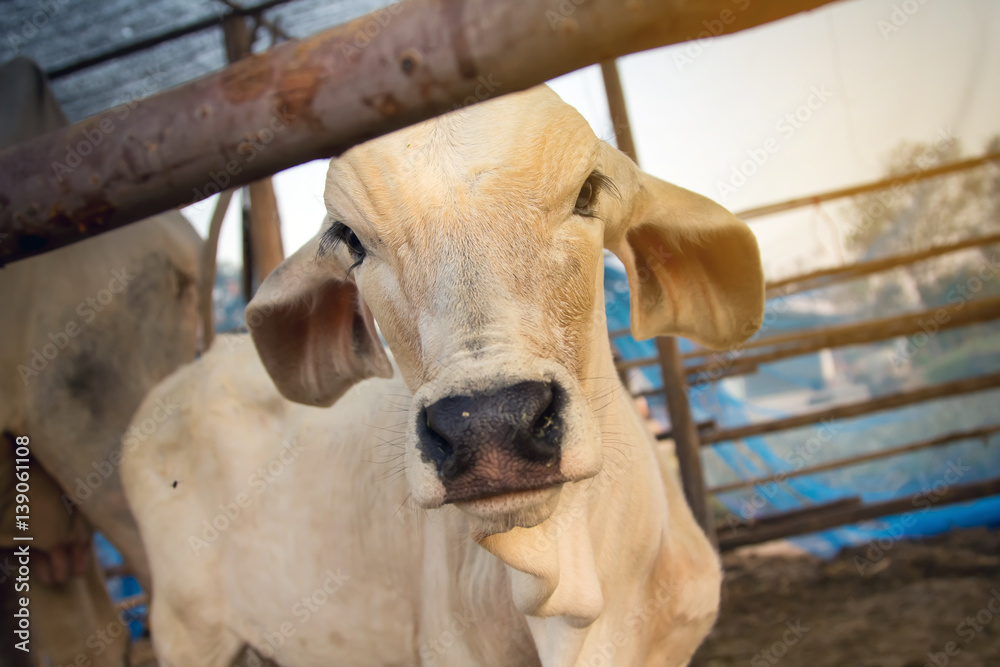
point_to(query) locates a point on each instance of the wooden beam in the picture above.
(315, 98)
(776, 530)
(839, 274)
(883, 184)
(983, 432)
(942, 318)
(943, 390)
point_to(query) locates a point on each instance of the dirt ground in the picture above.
(910, 607)
(933, 602)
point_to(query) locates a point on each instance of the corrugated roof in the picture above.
(57, 33)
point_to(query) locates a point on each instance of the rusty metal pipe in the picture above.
(317, 97)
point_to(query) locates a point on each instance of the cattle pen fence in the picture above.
(338, 96)
(701, 368)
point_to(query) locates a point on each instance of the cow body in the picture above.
(87, 330)
(276, 502)
(500, 502)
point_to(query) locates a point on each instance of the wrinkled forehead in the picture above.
(527, 148)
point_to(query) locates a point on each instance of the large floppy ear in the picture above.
(693, 267)
(313, 331)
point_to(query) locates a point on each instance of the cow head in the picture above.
(476, 241)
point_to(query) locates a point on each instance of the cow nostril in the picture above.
(440, 449)
(545, 439)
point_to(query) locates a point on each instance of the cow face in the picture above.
(476, 240)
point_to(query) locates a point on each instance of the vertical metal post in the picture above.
(685, 431)
(248, 269)
(265, 228)
(262, 247)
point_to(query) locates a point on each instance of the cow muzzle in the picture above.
(492, 443)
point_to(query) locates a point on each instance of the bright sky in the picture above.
(874, 75)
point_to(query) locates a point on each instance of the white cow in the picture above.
(499, 502)
(85, 331)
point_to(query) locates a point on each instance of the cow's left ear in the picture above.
(693, 267)
(313, 331)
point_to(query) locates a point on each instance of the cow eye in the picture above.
(351, 240)
(585, 198)
(586, 201)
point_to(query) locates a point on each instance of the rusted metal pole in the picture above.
(982, 433)
(908, 178)
(858, 409)
(843, 516)
(682, 424)
(317, 97)
(263, 242)
(839, 274)
(942, 318)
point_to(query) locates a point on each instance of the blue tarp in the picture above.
(756, 456)
(121, 587)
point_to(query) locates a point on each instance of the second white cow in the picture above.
(500, 502)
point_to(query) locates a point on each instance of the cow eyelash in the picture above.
(340, 233)
(586, 200)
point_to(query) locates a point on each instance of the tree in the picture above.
(923, 214)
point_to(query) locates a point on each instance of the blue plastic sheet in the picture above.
(757, 456)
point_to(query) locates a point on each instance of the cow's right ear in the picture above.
(313, 331)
